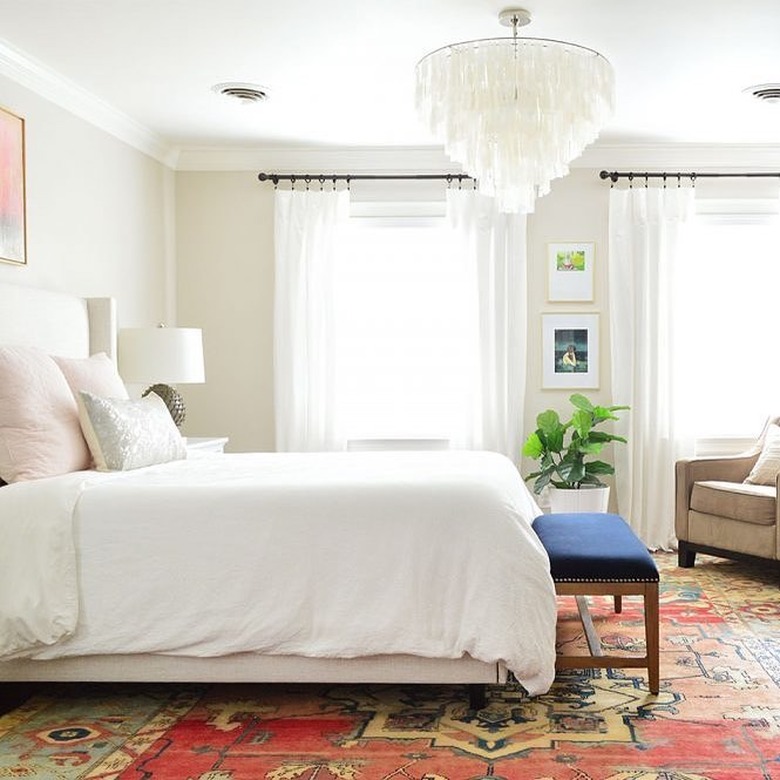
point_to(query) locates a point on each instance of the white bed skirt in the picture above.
(251, 667)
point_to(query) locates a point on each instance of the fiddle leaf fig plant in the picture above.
(564, 449)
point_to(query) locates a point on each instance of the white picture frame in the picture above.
(570, 271)
(570, 351)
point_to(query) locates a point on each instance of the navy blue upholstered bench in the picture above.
(595, 555)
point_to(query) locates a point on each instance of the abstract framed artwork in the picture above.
(570, 271)
(570, 351)
(13, 229)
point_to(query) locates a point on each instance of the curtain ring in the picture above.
(664, 179)
(292, 182)
(693, 180)
(631, 180)
(647, 181)
(349, 183)
(322, 183)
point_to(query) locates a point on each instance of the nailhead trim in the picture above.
(602, 579)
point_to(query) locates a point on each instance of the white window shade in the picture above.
(166, 355)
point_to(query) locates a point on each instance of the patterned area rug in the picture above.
(717, 716)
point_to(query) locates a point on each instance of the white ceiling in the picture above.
(341, 72)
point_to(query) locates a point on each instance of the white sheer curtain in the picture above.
(305, 228)
(645, 226)
(493, 250)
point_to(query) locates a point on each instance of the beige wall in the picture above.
(224, 227)
(576, 209)
(96, 212)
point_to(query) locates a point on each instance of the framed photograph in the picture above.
(570, 350)
(13, 231)
(570, 272)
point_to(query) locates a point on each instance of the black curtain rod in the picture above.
(308, 178)
(693, 175)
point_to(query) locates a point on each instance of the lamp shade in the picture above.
(170, 355)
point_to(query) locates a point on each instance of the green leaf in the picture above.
(541, 483)
(533, 447)
(601, 413)
(582, 422)
(589, 479)
(548, 422)
(599, 467)
(581, 402)
(572, 472)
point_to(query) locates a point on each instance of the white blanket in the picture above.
(315, 554)
(38, 585)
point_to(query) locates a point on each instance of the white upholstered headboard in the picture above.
(59, 323)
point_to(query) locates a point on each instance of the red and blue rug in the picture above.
(717, 716)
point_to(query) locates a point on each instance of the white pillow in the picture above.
(125, 434)
(765, 471)
(96, 374)
(39, 424)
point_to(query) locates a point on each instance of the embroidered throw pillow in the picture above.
(127, 434)
(39, 424)
(768, 464)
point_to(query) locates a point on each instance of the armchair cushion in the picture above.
(767, 467)
(735, 500)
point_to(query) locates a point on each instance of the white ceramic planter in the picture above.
(586, 499)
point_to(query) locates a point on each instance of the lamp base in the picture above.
(172, 399)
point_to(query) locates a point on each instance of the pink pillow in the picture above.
(40, 435)
(96, 375)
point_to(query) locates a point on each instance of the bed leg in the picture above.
(14, 694)
(477, 696)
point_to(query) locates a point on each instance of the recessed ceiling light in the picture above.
(242, 91)
(766, 93)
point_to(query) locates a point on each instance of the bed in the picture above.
(266, 567)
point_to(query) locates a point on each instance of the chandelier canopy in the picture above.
(514, 112)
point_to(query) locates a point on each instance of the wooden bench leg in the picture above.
(618, 603)
(652, 636)
(598, 659)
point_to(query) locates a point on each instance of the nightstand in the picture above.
(206, 443)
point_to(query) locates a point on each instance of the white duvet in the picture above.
(314, 554)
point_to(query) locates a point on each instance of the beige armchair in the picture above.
(719, 514)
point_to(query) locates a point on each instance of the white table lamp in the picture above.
(162, 356)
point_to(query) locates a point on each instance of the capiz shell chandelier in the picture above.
(514, 112)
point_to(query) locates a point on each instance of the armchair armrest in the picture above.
(729, 468)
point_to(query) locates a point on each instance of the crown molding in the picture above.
(680, 157)
(400, 159)
(50, 85)
(430, 159)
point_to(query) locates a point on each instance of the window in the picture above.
(726, 339)
(401, 329)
